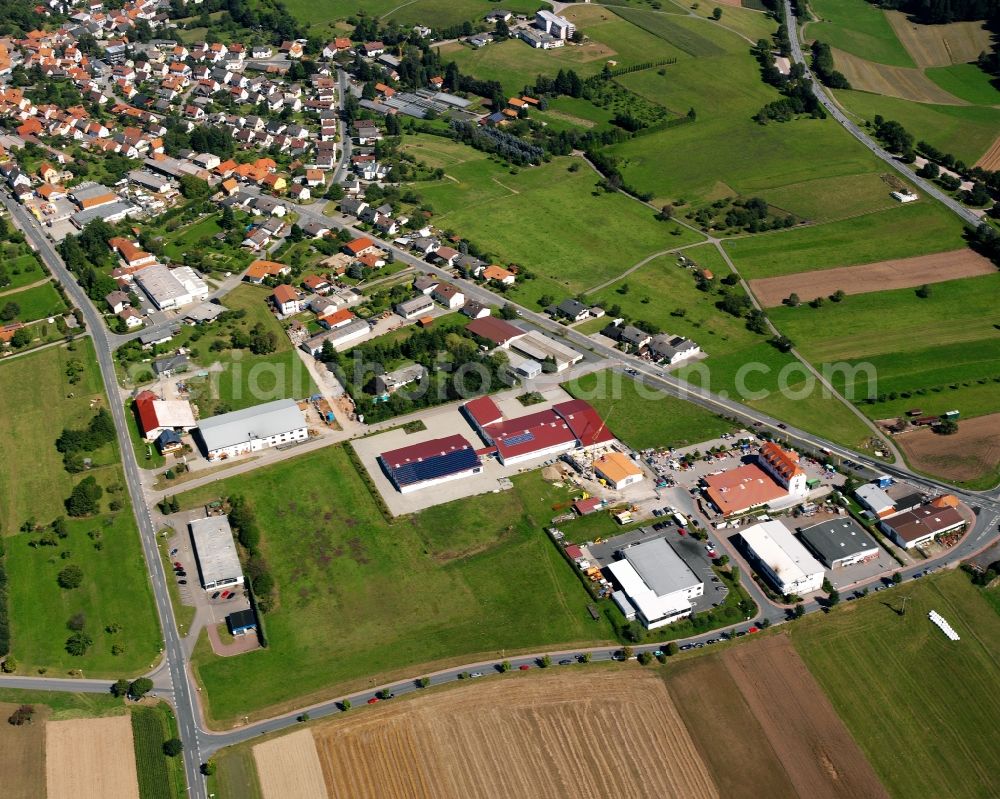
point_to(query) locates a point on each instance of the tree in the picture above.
(837, 296)
(208, 768)
(85, 499)
(781, 343)
(897, 578)
(585, 657)
(22, 715)
(345, 705)
(946, 427)
(717, 13)
(119, 688)
(70, 577)
(672, 648)
(138, 688)
(505, 666)
(507, 311)
(799, 611)
(923, 292)
(793, 300)
(78, 643)
(627, 652)
(757, 321)
(194, 188)
(545, 661)
(172, 747)
(833, 597)
(77, 621)
(21, 338)
(423, 682)
(644, 658)
(9, 311)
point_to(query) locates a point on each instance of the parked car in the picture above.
(216, 595)
(523, 667)
(178, 564)
(476, 674)
(373, 700)
(565, 662)
(225, 594)
(181, 573)
(182, 582)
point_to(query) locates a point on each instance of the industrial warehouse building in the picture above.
(430, 463)
(656, 582)
(839, 542)
(617, 470)
(215, 551)
(738, 490)
(777, 556)
(915, 528)
(252, 429)
(171, 288)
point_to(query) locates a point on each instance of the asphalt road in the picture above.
(834, 110)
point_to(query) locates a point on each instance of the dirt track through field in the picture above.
(970, 453)
(569, 733)
(289, 767)
(90, 759)
(820, 756)
(902, 82)
(940, 45)
(991, 158)
(900, 273)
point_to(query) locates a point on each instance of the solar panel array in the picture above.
(520, 438)
(435, 467)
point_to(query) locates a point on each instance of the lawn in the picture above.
(809, 165)
(36, 303)
(435, 14)
(901, 686)
(487, 203)
(33, 485)
(957, 311)
(361, 600)
(861, 240)
(237, 378)
(965, 131)
(697, 40)
(859, 28)
(22, 268)
(644, 418)
(968, 82)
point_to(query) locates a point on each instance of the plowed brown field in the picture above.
(562, 734)
(821, 758)
(897, 274)
(22, 755)
(940, 45)
(288, 767)
(991, 158)
(90, 759)
(903, 82)
(972, 452)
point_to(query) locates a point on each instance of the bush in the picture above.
(78, 644)
(70, 577)
(173, 747)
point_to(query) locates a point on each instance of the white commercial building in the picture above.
(658, 584)
(553, 24)
(171, 288)
(215, 550)
(777, 555)
(253, 429)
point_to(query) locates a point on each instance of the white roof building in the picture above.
(658, 584)
(218, 561)
(171, 288)
(253, 429)
(778, 556)
(875, 499)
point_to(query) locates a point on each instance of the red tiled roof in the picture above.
(781, 460)
(426, 449)
(742, 488)
(484, 411)
(494, 329)
(285, 293)
(585, 422)
(147, 412)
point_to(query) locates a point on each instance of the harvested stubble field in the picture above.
(902, 82)
(991, 158)
(560, 734)
(289, 767)
(22, 755)
(899, 273)
(940, 45)
(821, 758)
(970, 454)
(90, 759)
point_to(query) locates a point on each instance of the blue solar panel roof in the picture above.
(434, 467)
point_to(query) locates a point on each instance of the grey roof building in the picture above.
(839, 542)
(253, 429)
(215, 550)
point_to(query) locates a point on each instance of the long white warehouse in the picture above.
(253, 429)
(778, 556)
(657, 582)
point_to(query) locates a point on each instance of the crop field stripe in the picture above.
(661, 26)
(902, 82)
(150, 731)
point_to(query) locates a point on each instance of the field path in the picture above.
(34, 285)
(639, 265)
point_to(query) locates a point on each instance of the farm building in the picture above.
(617, 470)
(778, 557)
(241, 622)
(481, 413)
(337, 336)
(156, 415)
(416, 307)
(741, 489)
(215, 551)
(876, 500)
(430, 463)
(657, 582)
(915, 528)
(253, 429)
(546, 350)
(839, 542)
(496, 331)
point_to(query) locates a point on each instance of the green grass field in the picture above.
(361, 600)
(965, 131)
(644, 418)
(487, 203)
(22, 268)
(861, 240)
(160, 777)
(35, 303)
(33, 485)
(957, 311)
(857, 27)
(968, 82)
(435, 14)
(902, 687)
(675, 30)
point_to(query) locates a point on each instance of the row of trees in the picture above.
(73, 443)
(243, 519)
(822, 64)
(4, 617)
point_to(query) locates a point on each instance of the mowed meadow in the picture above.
(361, 599)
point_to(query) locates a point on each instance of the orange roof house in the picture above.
(499, 274)
(359, 245)
(945, 501)
(258, 270)
(229, 185)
